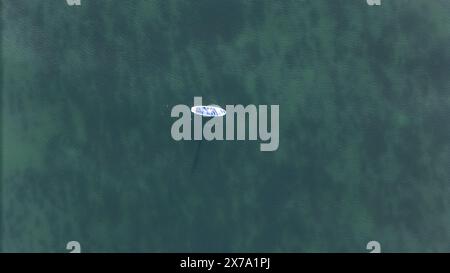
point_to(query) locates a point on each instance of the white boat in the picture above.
(208, 111)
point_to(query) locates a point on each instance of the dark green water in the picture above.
(87, 155)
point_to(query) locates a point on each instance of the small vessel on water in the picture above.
(208, 111)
